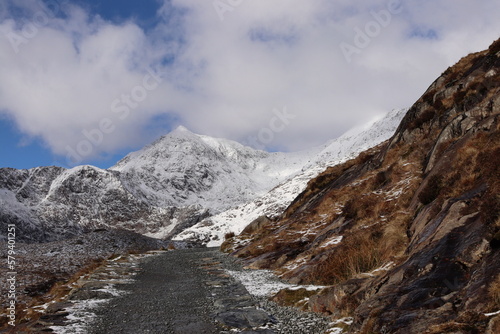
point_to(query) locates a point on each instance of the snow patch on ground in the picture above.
(340, 322)
(265, 283)
(492, 314)
(332, 241)
(80, 316)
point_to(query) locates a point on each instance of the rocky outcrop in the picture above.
(406, 235)
(51, 203)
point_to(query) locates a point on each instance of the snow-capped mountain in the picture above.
(157, 191)
(180, 180)
(183, 168)
(212, 229)
(50, 203)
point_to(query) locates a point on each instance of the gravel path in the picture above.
(168, 296)
(186, 291)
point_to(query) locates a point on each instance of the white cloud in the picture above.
(225, 77)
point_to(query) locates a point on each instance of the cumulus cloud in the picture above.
(87, 86)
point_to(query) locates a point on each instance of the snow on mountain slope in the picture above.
(183, 168)
(51, 203)
(157, 191)
(167, 187)
(211, 230)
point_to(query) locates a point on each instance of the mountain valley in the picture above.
(397, 223)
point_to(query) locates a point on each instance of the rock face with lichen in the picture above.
(406, 235)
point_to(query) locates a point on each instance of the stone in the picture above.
(244, 318)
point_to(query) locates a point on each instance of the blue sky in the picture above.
(86, 82)
(20, 151)
(143, 12)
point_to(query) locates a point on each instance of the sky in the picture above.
(86, 82)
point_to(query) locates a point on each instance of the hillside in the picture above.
(211, 230)
(406, 235)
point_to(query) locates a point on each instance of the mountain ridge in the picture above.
(175, 182)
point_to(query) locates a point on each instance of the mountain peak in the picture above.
(181, 128)
(179, 133)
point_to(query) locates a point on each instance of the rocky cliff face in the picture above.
(51, 203)
(406, 235)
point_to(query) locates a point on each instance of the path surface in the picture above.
(185, 291)
(181, 292)
(168, 296)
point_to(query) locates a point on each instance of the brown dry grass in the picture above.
(375, 230)
(229, 235)
(476, 163)
(466, 322)
(494, 292)
(359, 253)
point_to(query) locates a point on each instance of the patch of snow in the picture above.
(337, 330)
(259, 282)
(348, 321)
(385, 267)
(80, 316)
(294, 264)
(43, 307)
(112, 290)
(265, 283)
(492, 314)
(333, 241)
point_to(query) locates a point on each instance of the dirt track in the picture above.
(176, 292)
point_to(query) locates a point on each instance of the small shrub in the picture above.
(360, 253)
(364, 157)
(439, 106)
(426, 116)
(428, 97)
(361, 208)
(495, 47)
(458, 97)
(490, 208)
(474, 86)
(229, 235)
(350, 209)
(381, 179)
